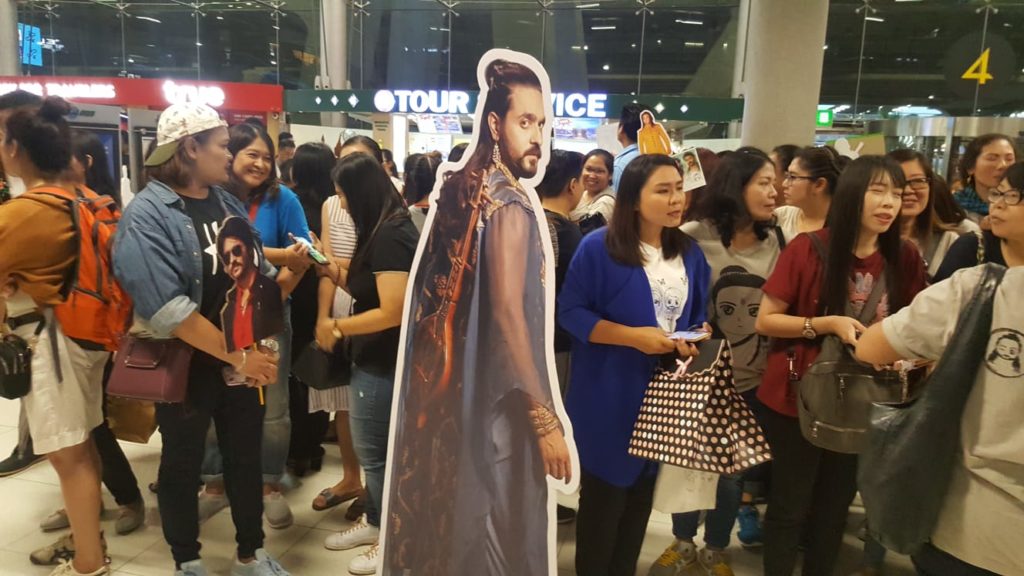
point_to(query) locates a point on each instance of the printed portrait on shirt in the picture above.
(860, 290)
(253, 309)
(735, 302)
(1005, 349)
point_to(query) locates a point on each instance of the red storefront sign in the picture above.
(149, 93)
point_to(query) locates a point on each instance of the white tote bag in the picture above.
(684, 490)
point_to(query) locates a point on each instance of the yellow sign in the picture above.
(979, 70)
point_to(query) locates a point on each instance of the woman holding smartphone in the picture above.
(628, 288)
(806, 298)
(276, 213)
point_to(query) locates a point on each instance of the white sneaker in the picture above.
(362, 534)
(210, 504)
(66, 569)
(277, 511)
(366, 563)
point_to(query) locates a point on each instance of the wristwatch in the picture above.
(809, 332)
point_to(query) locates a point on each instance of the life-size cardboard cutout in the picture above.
(652, 138)
(479, 435)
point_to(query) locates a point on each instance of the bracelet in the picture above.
(544, 421)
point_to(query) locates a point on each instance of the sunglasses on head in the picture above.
(236, 252)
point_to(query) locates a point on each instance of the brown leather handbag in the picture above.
(151, 369)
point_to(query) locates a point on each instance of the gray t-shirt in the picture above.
(737, 277)
(982, 519)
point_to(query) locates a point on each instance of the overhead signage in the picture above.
(824, 118)
(566, 105)
(30, 40)
(150, 93)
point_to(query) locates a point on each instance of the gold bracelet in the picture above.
(544, 421)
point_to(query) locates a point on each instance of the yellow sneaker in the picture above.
(714, 563)
(674, 560)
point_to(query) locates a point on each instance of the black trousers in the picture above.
(812, 488)
(930, 561)
(610, 525)
(118, 476)
(238, 416)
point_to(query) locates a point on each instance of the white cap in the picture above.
(178, 122)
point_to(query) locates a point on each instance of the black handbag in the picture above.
(905, 470)
(16, 358)
(323, 370)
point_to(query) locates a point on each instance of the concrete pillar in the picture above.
(782, 82)
(333, 53)
(10, 61)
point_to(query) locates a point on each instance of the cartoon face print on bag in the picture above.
(1005, 349)
(736, 300)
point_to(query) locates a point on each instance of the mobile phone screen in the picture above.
(690, 336)
(314, 254)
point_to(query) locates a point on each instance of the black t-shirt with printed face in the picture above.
(392, 250)
(207, 216)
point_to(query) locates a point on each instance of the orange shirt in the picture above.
(37, 245)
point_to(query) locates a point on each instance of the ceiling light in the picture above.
(148, 19)
(220, 17)
(826, 47)
(602, 27)
(591, 5)
(693, 44)
(875, 19)
(606, 67)
(691, 22)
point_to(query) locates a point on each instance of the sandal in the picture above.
(356, 509)
(331, 499)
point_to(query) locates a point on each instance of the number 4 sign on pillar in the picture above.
(979, 70)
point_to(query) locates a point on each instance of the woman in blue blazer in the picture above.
(629, 286)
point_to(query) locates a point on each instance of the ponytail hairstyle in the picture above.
(845, 217)
(43, 133)
(420, 176)
(822, 162)
(86, 145)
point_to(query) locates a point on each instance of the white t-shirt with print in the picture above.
(982, 520)
(669, 285)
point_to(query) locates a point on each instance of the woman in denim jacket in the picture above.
(166, 257)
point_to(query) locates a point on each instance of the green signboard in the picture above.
(824, 119)
(570, 105)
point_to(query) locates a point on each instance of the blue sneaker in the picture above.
(193, 568)
(263, 565)
(750, 527)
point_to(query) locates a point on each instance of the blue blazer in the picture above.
(608, 382)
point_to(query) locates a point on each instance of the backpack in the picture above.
(95, 311)
(837, 391)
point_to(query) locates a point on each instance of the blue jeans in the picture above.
(370, 418)
(719, 523)
(277, 423)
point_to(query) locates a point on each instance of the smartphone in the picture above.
(314, 254)
(690, 335)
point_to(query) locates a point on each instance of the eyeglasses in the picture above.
(1011, 196)
(789, 177)
(236, 252)
(919, 184)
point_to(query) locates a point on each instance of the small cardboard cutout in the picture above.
(652, 137)
(693, 172)
(253, 309)
(466, 492)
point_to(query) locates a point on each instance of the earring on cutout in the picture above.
(496, 155)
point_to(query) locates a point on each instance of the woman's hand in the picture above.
(325, 334)
(847, 329)
(686, 349)
(317, 243)
(555, 454)
(258, 367)
(297, 258)
(652, 341)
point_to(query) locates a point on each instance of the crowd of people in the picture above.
(777, 251)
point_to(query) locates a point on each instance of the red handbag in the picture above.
(151, 369)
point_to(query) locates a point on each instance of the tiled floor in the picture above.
(31, 495)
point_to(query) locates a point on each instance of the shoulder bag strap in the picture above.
(780, 236)
(867, 313)
(819, 247)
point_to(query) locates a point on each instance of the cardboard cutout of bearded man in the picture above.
(478, 428)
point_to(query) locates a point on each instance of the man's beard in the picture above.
(518, 166)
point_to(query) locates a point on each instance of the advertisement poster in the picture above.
(480, 441)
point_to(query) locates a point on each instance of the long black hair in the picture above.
(372, 198)
(723, 203)
(86, 145)
(368, 143)
(846, 217)
(241, 137)
(311, 173)
(420, 176)
(623, 236)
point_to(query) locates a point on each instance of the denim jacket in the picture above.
(157, 257)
